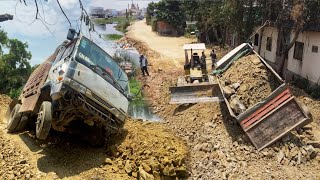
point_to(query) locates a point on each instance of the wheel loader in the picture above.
(196, 85)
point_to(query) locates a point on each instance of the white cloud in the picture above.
(68, 4)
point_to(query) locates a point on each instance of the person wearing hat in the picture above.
(144, 65)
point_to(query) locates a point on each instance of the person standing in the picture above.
(213, 58)
(203, 61)
(144, 65)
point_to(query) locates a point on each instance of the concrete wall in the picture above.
(166, 29)
(309, 67)
(268, 55)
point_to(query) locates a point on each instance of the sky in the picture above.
(42, 40)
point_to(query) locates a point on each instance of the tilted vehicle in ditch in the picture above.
(265, 122)
(272, 118)
(78, 89)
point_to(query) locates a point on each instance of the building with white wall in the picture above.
(303, 58)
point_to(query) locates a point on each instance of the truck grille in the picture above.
(101, 101)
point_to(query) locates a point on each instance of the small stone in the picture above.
(228, 91)
(128, 167)
(169, 170)
(311, 151)
(108, 161)
(143, 175)
(134, 174)
(280, 156)
(23, 161)
(235, 86)
(156, 175)
(299, 158)
(146, 167)
(182, 171)
(315, 144)
(166, 160)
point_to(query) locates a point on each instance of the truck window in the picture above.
(94, 55)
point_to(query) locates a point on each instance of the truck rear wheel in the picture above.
(44, 120)
(13, 118)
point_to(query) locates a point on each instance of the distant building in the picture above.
(97, 12)
(134, 9)
(111, 13)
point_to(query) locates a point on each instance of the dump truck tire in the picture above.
(23, 122)
(44, 120)
(13, 118)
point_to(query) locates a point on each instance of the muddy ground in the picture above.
(200, 140)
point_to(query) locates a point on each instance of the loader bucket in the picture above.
(195, 93)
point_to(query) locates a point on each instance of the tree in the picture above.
(169, 11)
(14, 65)
(290, 14)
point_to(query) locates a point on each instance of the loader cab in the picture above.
(194, 68)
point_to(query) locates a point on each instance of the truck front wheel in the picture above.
(13, 118)
(44, 120)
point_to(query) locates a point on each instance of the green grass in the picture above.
(113, 37)
(135, 87)
(117, 19)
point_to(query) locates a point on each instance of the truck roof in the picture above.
(195, 46)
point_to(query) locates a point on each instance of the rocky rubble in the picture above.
(219, 149)
(14, 164)
(148, 151)
(247, 82)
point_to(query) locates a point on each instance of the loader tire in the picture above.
(44, 120)
(13, 118)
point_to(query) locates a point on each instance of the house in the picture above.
(303, 58)
(97, 12)
(111, 13)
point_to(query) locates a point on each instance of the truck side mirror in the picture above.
(71, 34)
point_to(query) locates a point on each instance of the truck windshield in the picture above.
(94, 56)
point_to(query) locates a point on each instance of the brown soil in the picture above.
(219, 149)
(142, 150)
(256, 81)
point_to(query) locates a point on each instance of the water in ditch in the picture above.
(138, 109)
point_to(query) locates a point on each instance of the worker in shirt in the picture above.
(144, 65)
(213, 58)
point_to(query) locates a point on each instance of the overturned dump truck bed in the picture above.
(275, 114)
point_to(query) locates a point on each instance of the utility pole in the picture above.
(5, 17)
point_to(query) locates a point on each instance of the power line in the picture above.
(64, 13)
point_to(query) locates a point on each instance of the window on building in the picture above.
(298, 50)
(269, 44)
(315, 49)
(256, 39)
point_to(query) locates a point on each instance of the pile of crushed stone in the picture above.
(247, 82)
(148, 151)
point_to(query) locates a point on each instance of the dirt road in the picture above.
(219, 149)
